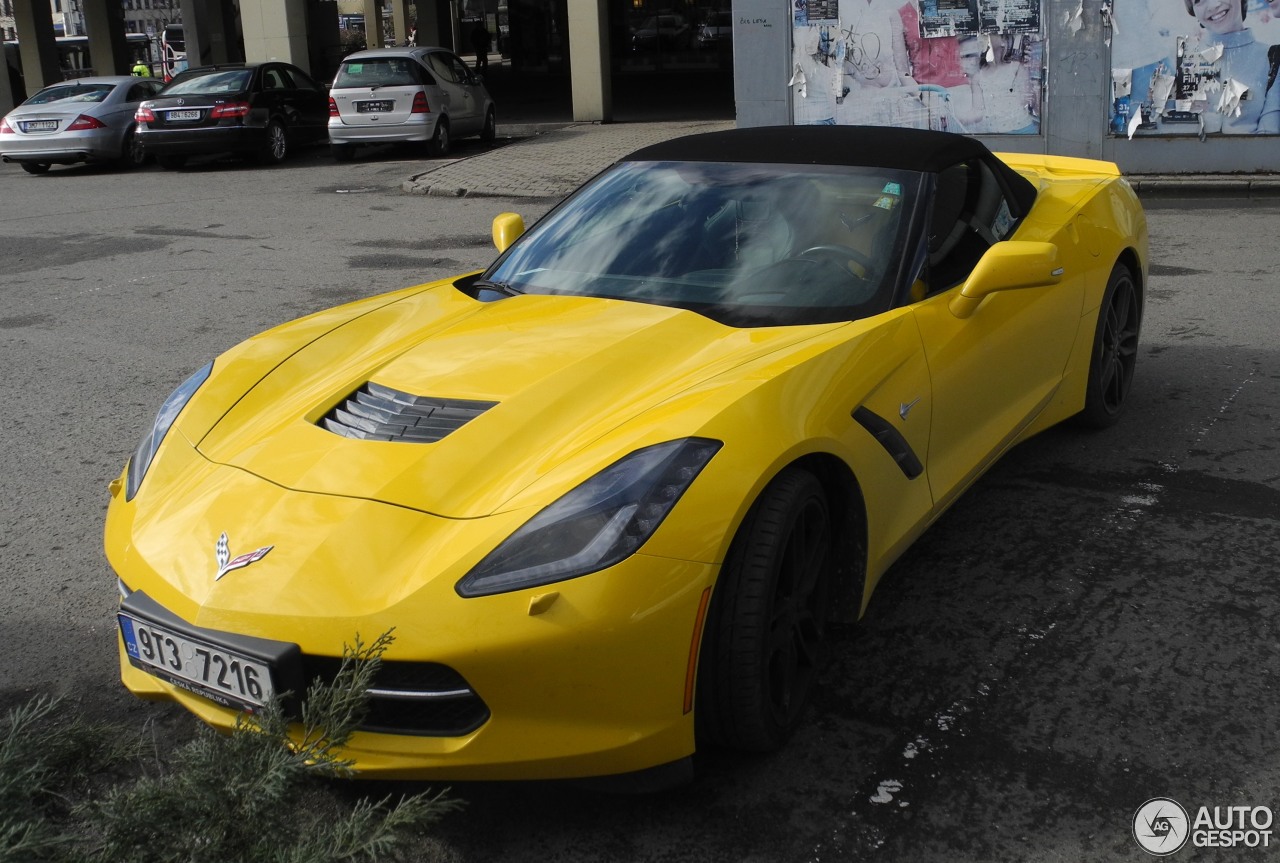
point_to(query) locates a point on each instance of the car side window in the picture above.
(272, 79)
(461, 72)
(138, 92)
(300, 80)
(440, 65)
(970, 214)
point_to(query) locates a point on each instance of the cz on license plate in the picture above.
(374, 107)
(223, 675)
(183, 115)
(40, 126)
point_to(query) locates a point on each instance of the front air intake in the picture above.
(375, 412)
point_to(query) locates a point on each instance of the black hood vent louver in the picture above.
(375, 412)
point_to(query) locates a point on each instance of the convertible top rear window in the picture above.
(744, 244)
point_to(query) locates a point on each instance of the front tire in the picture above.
(767, 620)
(276, 147)
(1115, 351)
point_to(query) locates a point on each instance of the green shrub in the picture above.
(254, 795)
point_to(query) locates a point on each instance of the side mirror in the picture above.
(507, 228)
(1008, 266)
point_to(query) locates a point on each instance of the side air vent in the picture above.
(375, 412)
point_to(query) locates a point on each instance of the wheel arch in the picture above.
(1129, 257)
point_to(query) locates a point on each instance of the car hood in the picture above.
(541, 377)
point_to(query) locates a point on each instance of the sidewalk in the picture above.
(550, 160)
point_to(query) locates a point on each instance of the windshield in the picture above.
(745, 244)
(71, 93)
(223, 81)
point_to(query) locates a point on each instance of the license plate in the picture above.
(40, 126)
(183, 115)
(222, 675)
(379, 107)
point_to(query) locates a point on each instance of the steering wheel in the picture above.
(840, 255)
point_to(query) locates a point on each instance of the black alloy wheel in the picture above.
(1115, 351)
(762, 646)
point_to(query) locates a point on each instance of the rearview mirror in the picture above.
(1008, 266)
(507, 228)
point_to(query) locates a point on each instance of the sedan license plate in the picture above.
(225, 676)
(183, 115)
(40, 126)
(379, 107)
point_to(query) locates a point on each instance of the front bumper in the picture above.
(592, 681)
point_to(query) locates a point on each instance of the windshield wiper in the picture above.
(496, 287)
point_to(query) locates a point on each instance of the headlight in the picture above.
(173, 405)
(597, 524)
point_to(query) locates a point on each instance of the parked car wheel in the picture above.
(343, 152)
(1115, 351)
(277, 145)
(131, 153)
(36, 167)
(490, 130)
(440, 143)
(767, 618)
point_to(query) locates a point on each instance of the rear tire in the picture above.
(490, 131)
(276, 147)
(131, 153)
(343, 152)
(440, 143)
(767, 620)
(35, 167)
(1115, 351)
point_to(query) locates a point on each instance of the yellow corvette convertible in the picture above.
(610, 491)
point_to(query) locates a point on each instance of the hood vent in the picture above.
(375, 412)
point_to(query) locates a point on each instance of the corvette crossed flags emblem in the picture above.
(225, 564)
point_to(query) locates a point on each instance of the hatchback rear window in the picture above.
(383, 72)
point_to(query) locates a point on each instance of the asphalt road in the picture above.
(1090, 627)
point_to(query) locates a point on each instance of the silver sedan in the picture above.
(83, 120)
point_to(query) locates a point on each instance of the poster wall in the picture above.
(969, 66)
(1196, 67)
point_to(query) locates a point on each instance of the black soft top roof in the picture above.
(868, 146)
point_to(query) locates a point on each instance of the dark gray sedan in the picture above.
(85, 120)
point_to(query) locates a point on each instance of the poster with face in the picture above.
(1195, 67)
(969, 66)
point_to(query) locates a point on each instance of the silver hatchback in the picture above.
(386, 95)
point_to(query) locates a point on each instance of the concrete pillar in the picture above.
(6, 85)
(589, 60)
(204, 31)
(429, 21)
(374, 37)
(276, 30)
(400, 20)
(33, 20)
(104, 25)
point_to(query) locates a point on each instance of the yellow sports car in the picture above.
(610, 491)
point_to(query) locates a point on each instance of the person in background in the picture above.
(141, 69)
(480, 42)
